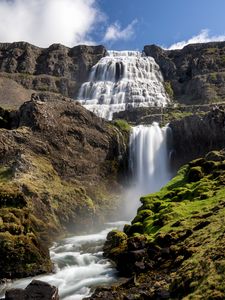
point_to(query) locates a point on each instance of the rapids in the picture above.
(79, 266)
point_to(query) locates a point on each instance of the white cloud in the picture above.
(114, 32)
(43, 22)
(202, 37)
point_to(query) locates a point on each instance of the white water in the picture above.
(79, 262)
(149, 163)
(120, 80)
(80, 266)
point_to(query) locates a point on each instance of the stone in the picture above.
(36, 290)
(41, 290)
(15, 294)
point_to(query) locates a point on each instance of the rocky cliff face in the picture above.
(59, 171)
(57, 69)
(196, 73)
(195, 135)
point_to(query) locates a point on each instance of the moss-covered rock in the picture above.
(184, 232)
(55, 170)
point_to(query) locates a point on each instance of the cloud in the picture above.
(114, 32)
(43, 22)
(202, 37)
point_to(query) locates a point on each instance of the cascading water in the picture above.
(79, 264)
(148, 161)
(120, 80)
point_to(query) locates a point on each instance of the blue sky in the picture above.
(118, 24)
(165, 22)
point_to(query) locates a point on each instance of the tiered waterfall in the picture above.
(120, 80)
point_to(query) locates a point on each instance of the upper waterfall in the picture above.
(122, 79)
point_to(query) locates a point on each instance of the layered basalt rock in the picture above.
(58, 69)
(194, 74)
(195, 135)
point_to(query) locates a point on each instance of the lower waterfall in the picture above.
(148, 162)
(79, 262)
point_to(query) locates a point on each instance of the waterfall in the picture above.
(120, 80)
(148, 161)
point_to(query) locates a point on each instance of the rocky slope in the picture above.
(194, 74)
(174, 247)
(59, 171)
(56, 69)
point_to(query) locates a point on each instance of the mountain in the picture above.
(25, 68)
(194, 74)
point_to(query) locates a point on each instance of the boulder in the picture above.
(36, 290)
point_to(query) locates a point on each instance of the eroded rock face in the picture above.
(194, 135)
(57, 69)
(196, 73)
(59, 170)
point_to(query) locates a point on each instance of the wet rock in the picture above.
(38, 290)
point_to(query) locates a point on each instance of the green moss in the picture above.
(169, 89)
(122, 125)
(189, 214)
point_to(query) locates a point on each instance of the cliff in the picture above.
(59, 171)
(194, 74)
(25, 68)
(195, 135)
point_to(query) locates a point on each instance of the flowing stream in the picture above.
(117, 81)
(79, 263)
(79, 266)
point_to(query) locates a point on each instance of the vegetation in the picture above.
(34, 204)
(186, 219)
(169, 89)
(122, 125)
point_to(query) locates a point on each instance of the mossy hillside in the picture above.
(183, 225)
(34, 204)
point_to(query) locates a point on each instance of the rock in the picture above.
(35, 290)
(194, 136)
(41, 290)
(15, 294)
(196, 72)
(56, 162)
(56, 69)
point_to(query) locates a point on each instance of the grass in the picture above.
(187, 217)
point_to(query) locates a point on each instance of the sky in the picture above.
(117, 24)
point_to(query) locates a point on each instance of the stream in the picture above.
(79, 266)
(79, 262)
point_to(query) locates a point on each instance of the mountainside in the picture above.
(56, 69)
(194, 74)
(59, 171)
(174, 247)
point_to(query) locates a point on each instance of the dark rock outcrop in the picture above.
(194, 135)
(59, 171)
(196, 73)
(38, 290)
(56, 69)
